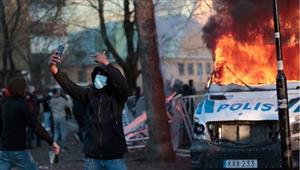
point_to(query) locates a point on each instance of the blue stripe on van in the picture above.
(209, 105)
(199, 107)
(297, 109)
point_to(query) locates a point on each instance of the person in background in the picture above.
(58, 105)
(68, 109)
(1, 99)
(137, 93)
(185, 90)
(132, 101)
(104, 142)
(15, 117)
(34, 104)
(47, 111)
(192, 89)
(4, 93)
(178, 86)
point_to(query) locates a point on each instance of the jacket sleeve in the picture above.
(0, 119)
(119, 83)
(75, 91)
(34, 124)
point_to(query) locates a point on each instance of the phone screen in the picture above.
(60, 50)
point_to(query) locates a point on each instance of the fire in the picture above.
(253, 63)
(243, 56)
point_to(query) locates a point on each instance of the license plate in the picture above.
(244, 163)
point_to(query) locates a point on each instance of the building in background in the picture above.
(183, 53)
(185, 69)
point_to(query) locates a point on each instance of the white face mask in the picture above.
(100, 81)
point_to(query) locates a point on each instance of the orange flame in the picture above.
(253, 63)
(241, 38)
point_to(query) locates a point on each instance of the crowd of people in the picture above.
(26, 118)
(97, 110)
(181, 88)
(53, 110)
(18, 121)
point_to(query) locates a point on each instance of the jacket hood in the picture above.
(100, 69)
(17, 86)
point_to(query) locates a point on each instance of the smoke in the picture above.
(244, 19)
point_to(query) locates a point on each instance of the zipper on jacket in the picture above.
(99, 111)
(100, 121)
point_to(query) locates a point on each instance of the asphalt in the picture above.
(72, 158)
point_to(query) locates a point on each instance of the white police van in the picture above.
(236, 127)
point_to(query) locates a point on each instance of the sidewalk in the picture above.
(72, 159)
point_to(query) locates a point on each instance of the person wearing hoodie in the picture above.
(14, 119)
(104, 142)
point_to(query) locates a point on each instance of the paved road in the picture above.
(72, 159)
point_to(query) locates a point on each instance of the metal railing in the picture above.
(182, 111)
(181, 108)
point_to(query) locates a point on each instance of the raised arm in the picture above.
(118, 81)
(75, 91)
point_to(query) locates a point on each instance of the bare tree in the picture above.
(47, 30)
(129, 64)
(22, 23)
(10, 13)
(160, 143)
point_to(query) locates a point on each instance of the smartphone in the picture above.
(60, 50)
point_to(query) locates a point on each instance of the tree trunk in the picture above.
(7, 47)
(4, 37)
(160, 137)
(36, 74)
(131, 74)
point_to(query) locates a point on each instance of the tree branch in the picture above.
(105, 36)
(128, 27)
(92, 4)
(17, 19)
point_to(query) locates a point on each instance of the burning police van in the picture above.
(237, 127)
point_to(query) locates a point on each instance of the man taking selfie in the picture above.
(104, 140)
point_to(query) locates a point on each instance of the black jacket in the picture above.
(104, 137)
(14, 118)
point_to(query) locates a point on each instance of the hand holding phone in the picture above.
(60, 50)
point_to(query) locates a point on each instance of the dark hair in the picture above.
(55, 91)
(17, 86)
(191, 82)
